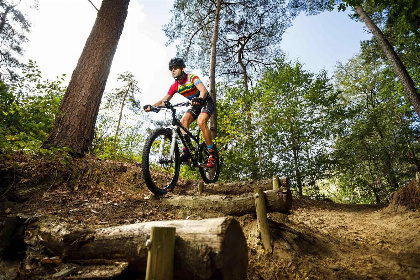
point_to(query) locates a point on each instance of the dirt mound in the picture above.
(316, 240)
(406, 198)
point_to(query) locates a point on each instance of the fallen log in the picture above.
(204, 249)
(277, 201)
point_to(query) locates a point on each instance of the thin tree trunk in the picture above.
(3, 18)
(213, 118)
(389, 171)
(74, 126)
(121, 112)
(297, 170)
(399, 67)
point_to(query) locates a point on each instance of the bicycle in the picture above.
(161, 154)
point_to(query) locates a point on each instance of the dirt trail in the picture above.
(351, 242)
(317, 240)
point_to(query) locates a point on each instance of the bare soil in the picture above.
(316, 240)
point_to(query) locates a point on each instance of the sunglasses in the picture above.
(174, 67)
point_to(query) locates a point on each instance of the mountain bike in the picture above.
(161, 159)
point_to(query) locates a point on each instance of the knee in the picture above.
(202, 122)
(185, 121)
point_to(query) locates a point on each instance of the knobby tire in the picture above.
(154, 168)
(209, 175)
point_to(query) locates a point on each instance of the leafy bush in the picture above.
(28, 109)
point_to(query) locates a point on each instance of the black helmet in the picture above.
(176, 62)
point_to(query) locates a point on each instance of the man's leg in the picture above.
(202, 123)
(186, 120)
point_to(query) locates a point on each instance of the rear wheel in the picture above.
(160, 169)
(209, 175)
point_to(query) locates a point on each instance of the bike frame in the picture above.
(176, 131)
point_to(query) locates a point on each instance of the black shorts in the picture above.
(207, 107)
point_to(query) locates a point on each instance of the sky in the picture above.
(60, 29)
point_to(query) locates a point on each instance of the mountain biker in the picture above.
(202, 105)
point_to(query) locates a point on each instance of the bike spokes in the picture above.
(160, 162)
(209, 174)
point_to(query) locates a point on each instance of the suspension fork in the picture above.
(173, 143)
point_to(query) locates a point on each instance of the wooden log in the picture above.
(160, 260)
(204, 249)
(260, 207)
(277, 201)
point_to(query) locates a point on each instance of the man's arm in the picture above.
(203, 93)
(202, 89)
(159, 103)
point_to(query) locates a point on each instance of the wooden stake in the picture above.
(200, 188)
(260, 206)
(276, 183)
(160, 260)
(285, 186)
(285, 182)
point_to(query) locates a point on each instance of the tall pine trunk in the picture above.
(213, 118)
(399, 68)
(74, 126)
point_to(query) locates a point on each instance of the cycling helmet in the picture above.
(176, 62)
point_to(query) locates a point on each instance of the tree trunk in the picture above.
(277, 201)
(213, 118)
(120, 116)
(297, 170)
(399, 68)
(74, 126)
(4, 18)
(386, 156)
(204, 249)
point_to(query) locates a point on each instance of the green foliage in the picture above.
(28, 108)
(119, 133)
(282, 126)
(378, 147)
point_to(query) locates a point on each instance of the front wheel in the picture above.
(160, 168)
(209, 175)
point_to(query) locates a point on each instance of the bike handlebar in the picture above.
(168, 105)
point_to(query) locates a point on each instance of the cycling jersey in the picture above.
(188, 88)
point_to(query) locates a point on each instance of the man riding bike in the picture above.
(202, 105)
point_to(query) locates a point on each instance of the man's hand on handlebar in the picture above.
(147, 108)
(150, 108)
(197, 101)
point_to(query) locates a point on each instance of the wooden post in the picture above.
(285, 182)
(276, 183)
(285, 185)
(160, 259)
(200, 188)
(260, 206)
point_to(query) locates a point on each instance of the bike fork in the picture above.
(174, 136)
(173, 142)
